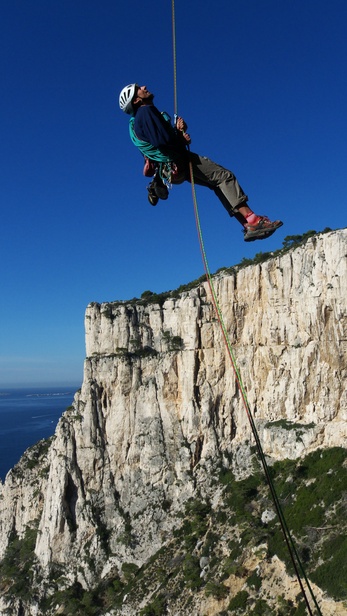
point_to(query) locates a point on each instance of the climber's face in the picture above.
(143, 95)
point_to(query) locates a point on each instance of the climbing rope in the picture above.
(174, 58)
(295, 558)
(296, 561)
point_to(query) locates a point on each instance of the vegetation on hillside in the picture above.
(210, 552)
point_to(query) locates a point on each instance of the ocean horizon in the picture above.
(27, 415)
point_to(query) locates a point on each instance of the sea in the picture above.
(27, 416)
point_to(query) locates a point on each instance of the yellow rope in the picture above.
(174, 58)
(287, 535)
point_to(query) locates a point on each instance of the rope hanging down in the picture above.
(298, 567)
(174, 59)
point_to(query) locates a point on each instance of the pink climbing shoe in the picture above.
(261, 229)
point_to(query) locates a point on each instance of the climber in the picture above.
(167, 157)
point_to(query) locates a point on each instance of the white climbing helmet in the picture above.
(125, 98)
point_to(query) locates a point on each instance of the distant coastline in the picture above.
(27, 415)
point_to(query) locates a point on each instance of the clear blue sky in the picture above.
(263, 87)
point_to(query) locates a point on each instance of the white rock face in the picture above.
(151, 422)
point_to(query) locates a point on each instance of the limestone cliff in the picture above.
(159, 414)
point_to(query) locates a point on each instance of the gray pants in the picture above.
(220, 180)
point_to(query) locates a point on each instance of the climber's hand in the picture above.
(181, 125)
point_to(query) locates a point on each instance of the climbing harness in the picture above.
(296, 561)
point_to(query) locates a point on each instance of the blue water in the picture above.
(27, 416)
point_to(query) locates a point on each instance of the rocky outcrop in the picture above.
(160, 412)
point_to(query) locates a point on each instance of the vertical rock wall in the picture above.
(159, 410)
